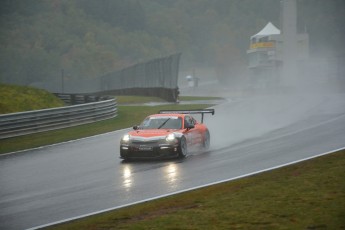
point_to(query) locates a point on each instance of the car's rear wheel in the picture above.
(182, 149)
(207, 140)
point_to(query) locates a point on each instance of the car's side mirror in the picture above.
(189, 126)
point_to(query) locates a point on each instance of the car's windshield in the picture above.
(161, 123)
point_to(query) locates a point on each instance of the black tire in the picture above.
(182, 148)
(122, 156)
(207, 140)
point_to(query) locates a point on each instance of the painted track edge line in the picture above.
(185, 190)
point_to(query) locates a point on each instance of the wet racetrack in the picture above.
(63, 181)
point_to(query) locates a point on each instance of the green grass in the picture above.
(137, 99)
(307, 195)
(197, 98)
(127, 116)
(142, 99)
(22, 98)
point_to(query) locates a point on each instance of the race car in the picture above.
(168, 134)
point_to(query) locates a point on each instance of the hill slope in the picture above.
(21, 98)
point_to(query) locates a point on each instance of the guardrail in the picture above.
(18, 124)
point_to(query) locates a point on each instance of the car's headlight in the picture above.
(126, 138)
(170, 137)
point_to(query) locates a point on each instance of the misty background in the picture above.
(85, 39)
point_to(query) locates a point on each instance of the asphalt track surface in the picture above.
(67, 180)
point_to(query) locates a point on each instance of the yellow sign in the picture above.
(262, 45)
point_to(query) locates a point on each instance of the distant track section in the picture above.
(18, 124)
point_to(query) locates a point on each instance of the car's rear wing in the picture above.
(191, 111)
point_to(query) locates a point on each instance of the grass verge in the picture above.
(142, 99)
(307, 195)
(127, 117)
(130, 99)
(196, 98)
(22, 98)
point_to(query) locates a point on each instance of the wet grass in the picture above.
(137, 99)
(21, 98)
(198, 98)
(141, 99)
(307, 195)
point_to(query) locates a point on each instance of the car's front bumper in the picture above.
(148, 151)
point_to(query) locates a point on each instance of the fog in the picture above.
(313, 97)
(308, 88)
(54, 44)
(252, 117)
(47, 43)
(249, 114)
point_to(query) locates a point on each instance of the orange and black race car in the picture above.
(168, 134)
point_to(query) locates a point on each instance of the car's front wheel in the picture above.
(123, 155)
(182, 148)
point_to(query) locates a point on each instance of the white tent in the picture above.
(269, 29)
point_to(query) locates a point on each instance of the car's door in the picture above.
(197, 132)
(192, 135)
(188, 132)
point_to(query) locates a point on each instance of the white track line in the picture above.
(185, 190)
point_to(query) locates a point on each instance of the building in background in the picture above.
(265, 56)
(277, 57)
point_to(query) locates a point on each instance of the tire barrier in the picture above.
(76, 99)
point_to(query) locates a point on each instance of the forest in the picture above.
(85, 39)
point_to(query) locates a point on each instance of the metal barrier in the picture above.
(18, 124)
